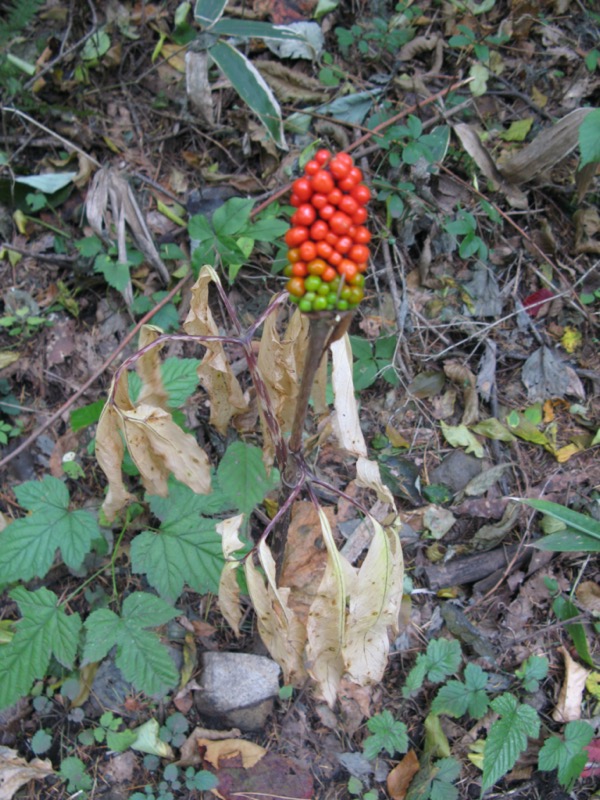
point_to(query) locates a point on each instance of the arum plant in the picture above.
(343, 630)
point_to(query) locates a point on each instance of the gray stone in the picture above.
(237, 689)
(456, 470)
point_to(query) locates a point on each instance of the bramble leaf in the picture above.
(507, 737)
(141, 657)
(243, 478)
(28, 545)
(387, 734)
(44, 631)
(456, 697)
(435, 781)
(186, 549)
(532, 671)
(441, 659)
(568, 755)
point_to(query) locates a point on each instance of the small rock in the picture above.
(456, 470)
(238, 689)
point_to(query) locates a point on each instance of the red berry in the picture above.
(340, 223)
(319, 200)
(344, 244)
(358, 253)
(327, 212)
(302, 189)
(361, 193)
(299, 269)
(362, 235)
(322, 182)
(295, 286)
(305, 215)
(322, 156)
(312, 167)
(319, 230)
(295, 200)
(308, 251)
(295, 236)
(360, 216)
(348, 205)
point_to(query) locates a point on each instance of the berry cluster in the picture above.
(328, 241)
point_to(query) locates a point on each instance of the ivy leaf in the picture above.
(243, 478)
(387, 734)
(28, 545)
(456, 697)
(568, 755)
(507, 737)
(141, 657)
(186, 548)
(532, 671)
(44, 631)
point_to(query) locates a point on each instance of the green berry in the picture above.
(305, 305)
(319, 304)
(342, 305)
(312, 283)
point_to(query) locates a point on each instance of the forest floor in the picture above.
(476, 360)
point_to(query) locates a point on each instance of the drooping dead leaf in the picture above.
(156, 444)
(326, 623)
(16, 772)
(399, 779)
(280, 362)
(568, 707)
(214, 373)
(374, 605)
(280, 629)
(153, 392)
(229, 590)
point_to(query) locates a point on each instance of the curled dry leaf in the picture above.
(16, 772)
(568, 707)
(157, 446)
(399, 779)
(281, 361)
(229, 590)
(280, 629)
(214, 373)
(462, 376)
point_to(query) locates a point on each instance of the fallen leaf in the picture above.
(399, 779)
(568, 707)
(546, 375)
(16, 772)
(588, 596)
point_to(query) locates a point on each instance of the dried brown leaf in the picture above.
(568, 707)
(463, 377)
(290, 85)
(399, 779)
(16, 772)
(214, 373)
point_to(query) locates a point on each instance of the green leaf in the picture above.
(48, 184)
(569, 755)
(564, 610)
(72, 770)
(589, 138)
(456, 697)
(479, 75)
(507, 738)
(434, 781)
(267, 229)
(518, 130)
(352, 108)
(186, 549)
(568, 542)
(361, 348)
(572, 519)
(232, 216)
(364, 374)
(207, 12)
(461, 436)
(86, 416)
(532, 671)
(44, 631)
(243, 478)
(28, 545)
(441, 659)
(179, 379)
(116, 274)
(41, 742)
(141, 657)
(387, 734)
(251, 87)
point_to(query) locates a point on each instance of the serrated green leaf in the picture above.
(183, 551)
(415, 678)
(243, 478)
(532, 671)
(251, 87)
(443, 659)
(28, 545)
(232, 216)
(179, 379)
(267, 229)
(455, 698)
(507, 738)
(141, 657)
(44, 631)
(569, 755)
(434, 781)
(387, 734)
